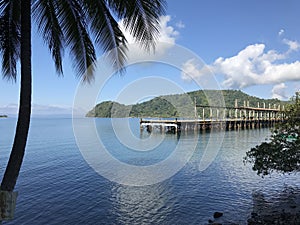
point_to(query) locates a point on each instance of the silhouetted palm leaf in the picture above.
(107, 32)
(10, 37)
(67, 24)
(46, 15)
(140, 18)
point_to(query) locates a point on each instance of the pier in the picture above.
(219, 118)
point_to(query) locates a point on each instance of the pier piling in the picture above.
(245, 117)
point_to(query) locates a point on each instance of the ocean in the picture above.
(138, 178)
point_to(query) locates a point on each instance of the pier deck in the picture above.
(222, 118)
(223, 124)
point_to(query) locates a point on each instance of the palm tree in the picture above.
(74, 24)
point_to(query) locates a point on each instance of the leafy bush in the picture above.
(282, 153)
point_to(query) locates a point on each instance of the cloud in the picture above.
(180, 25)
(40, 110)
(281, 32)
(165, 41)
(251, 66)
(167, 33)
(293, 45)
(10, 109)
(190, 70)
(278, 91)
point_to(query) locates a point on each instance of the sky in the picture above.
(250, 45)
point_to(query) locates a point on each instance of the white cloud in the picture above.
(281, 32)
(167, 33)
(278, 91)
(10, 109)
(190, 70)
(252, 66)
(166, 40)
(39, 110)
(180, 25)
(293, 45)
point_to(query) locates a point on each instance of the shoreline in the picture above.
(281, 209)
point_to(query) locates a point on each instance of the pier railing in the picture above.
(222, 118)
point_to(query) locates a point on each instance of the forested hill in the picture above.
(163, 108)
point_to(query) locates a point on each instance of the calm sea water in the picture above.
(57, 186)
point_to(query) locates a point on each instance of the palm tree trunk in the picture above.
(18, 149)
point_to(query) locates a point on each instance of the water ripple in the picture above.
(56, 186)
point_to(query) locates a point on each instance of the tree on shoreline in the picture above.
(282, 153)
(67, 24)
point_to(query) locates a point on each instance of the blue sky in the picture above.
(249, 45)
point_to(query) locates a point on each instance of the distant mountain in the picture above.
(179, 105)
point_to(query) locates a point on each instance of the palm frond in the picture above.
(108, 34)
(10, 37)
(72, 18)
(140, 18)
(46, 16)
(3, 4)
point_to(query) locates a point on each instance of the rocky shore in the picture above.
(276, 218)
(283, 209)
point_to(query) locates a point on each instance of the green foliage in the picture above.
(157, 107)
(282, 153)
(109, 109)
(179, 105)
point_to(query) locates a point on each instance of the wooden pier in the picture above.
(220, 118)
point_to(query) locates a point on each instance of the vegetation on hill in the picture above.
(107, 109)
(179, 105)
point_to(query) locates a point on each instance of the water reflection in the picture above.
(152, 204)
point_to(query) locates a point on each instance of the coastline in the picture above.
(281, 209)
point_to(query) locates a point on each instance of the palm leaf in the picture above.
(72, 18)
(140, 18)
(10, 37)
(107, 32)
(46, 15)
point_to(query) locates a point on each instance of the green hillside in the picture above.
(108, 109)
(179, 105)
